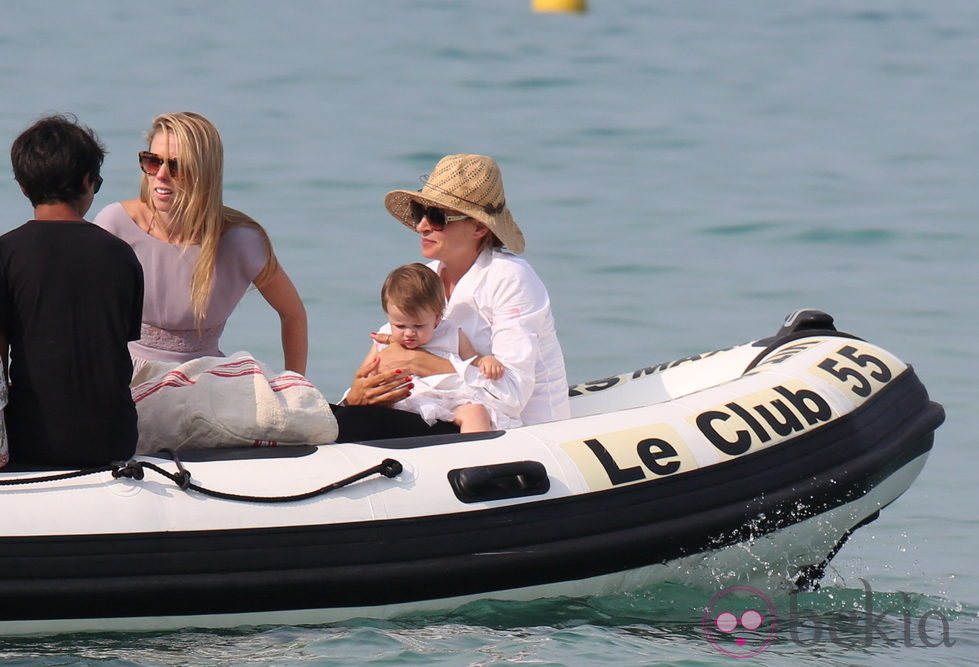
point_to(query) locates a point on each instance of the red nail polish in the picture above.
(397, 370)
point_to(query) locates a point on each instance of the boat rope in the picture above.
(51, 478)
(136, 470)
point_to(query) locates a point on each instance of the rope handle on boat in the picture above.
(136, 470)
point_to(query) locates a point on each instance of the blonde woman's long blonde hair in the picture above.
(198, 215)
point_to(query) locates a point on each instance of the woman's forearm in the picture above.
(295, 341)
(413, 362)
(282, 295)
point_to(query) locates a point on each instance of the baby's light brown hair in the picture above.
(414, 288)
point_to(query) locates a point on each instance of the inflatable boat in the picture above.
(748, 464)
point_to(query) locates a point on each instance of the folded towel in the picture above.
(227, 402)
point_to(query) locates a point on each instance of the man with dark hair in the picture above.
(71, 297)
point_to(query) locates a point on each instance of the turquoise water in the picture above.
(686, 174)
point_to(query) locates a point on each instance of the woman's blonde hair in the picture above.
(198, 215)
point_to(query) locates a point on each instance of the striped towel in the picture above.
(227, 402)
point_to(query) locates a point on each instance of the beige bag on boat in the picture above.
(227, 402)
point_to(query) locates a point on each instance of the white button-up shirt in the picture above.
(503, 307)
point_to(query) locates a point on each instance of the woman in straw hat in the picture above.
(199, 256)
(464, 227)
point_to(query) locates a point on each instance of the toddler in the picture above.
(413, 298)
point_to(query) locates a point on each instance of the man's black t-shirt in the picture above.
(71, 297)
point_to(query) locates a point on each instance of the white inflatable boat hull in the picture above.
(753, 464)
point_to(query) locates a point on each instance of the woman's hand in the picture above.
(413, 362)
(374, 387)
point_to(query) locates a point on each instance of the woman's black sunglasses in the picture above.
(150, 163)
(437, 218)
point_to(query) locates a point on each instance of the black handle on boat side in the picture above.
(499, 481)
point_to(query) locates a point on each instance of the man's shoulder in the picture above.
(90, 238)
(9, 241)
(103, 235)
(22, 237)
(104, 239)
(13, 233)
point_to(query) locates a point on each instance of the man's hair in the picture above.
(52, 157)
(414, 288)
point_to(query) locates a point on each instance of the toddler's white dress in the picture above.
(435, 397)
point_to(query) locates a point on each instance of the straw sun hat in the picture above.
(470, 184)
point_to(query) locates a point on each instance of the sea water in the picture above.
(686, 174)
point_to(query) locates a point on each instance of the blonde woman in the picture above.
(198, 256)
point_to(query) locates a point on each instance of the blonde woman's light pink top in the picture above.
(170, 332)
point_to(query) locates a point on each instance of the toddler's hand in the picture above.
(383, 339)
(490, 367)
